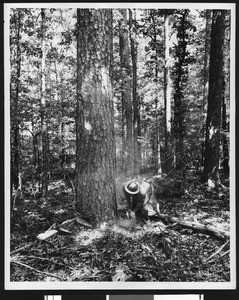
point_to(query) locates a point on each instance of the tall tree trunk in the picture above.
(123, 138)
(156, 155)
(136, 104)
(43, 117)
(213, 121)
(61, 125)
(126, 91)
(206, 59)
(95, 153)
(225, 142)
(181, 74)
(15, 163)
(167, 94)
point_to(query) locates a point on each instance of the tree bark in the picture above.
(136, 104)
(206, 59)
(167, 94)
(15, 163)
(181, 74)
(95, 153)
(225, 142)
(43, 117)
(127, 111)
(156, 154)
(59, 94)
(213, 121)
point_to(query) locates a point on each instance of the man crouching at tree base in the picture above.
(138, 193)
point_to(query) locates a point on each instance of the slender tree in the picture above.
(156, 153)
(135, 98)
(167, 93)
(225, 129)
(15, 91)
(181, 75)
(45, 147)
(126, 93)
(215, 96)
(95, 152)
(206, 58)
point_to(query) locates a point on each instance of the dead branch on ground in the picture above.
(209, 230)
(35, 270)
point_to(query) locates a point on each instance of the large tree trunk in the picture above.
(213, 122)
(127, 111)
(95, 153)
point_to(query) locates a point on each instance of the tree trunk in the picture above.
(156, 155)
(213, 121)
(206, 60)
(167, 95)
(61, 125)
(15, 163)
(126, 91)
(43, 117)
(181, 74)
(95, 153)
(225, 142)
(136, 104)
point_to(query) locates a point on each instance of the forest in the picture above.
(119, 144)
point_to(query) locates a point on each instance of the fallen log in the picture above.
(206, 229)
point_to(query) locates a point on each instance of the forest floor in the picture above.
(153, 252)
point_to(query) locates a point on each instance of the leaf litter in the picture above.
(120, 252)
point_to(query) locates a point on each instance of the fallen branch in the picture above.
(67, 222)
(63, 231)
(22, 248)
(45, 259)
(223, 254)
(35, 270)
(209, 230)
(215, 253)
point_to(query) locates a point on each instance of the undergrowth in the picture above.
(153, 252)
